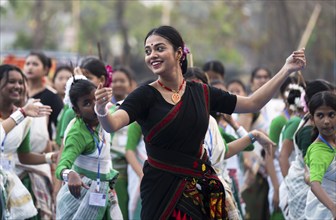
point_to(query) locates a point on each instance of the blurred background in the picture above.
(241, 34)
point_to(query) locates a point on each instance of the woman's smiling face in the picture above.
(13, 88)
(160, 55)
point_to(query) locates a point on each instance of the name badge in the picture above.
(7, 164)
(97, 199)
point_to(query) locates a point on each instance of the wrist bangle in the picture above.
(23, 112)
(252, 137)
(65, 174)
(17, 116)
(100, 115)
(48, 157)
(241, 131)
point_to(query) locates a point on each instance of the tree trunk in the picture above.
(120, 9)
(38, 30)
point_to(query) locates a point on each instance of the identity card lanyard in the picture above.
(3, 148)
(326, 142)
(99, 145)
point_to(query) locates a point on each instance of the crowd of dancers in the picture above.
(92, 144)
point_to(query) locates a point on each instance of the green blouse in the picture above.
(318, 158)
(67, 116)
(303, 138)
(134, 135)
(78, 141)
(276, 127)
(290, 128)
(25, 144)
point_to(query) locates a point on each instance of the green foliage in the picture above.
(22, 40)
(239, 33)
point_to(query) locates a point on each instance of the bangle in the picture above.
(17, 116)
(48, 157)
(241, 131)
(97, 113)
(22, 111)
(252, 137)
(65, 174)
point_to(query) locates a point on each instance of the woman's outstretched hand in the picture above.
(296, 61)
(103, 96)
(35, 109)
(264, 141)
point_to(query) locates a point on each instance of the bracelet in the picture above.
(241, 131)
(100, 115)
(48, 157)
(252, 137)
(17, 116)
(22, 111)
(65, 174)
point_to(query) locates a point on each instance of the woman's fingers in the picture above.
(103, 95)
(43, 110)
(75, 190)
(85, 186)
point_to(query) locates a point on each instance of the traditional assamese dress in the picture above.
(81, 153)
(178, 177)
(293, 189)
(321, 160)
(216, 149)
(37, 178)
(16, 201)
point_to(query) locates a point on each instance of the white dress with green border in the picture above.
(69, 207)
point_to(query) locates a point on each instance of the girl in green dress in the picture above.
(85, 163)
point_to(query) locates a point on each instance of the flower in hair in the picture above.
(186, 49)
(303, 102)
(185, 52)
(68, 85)
(293, 86)
(298, 104)
(109, 71)
(109, 68)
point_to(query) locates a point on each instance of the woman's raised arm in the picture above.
(295, 62)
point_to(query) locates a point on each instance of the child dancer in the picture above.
(321, 158)
(85, 164)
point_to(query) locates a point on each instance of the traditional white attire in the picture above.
(293, 189)
(133, 186)
(314, 208)
(215, 146)
(39, 175)
(17, 199)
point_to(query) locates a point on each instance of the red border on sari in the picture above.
(171, 205)
(171, 115)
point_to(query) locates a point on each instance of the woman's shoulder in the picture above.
(280, 119)
(76, 128)
(143, 91)
(317, 146)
